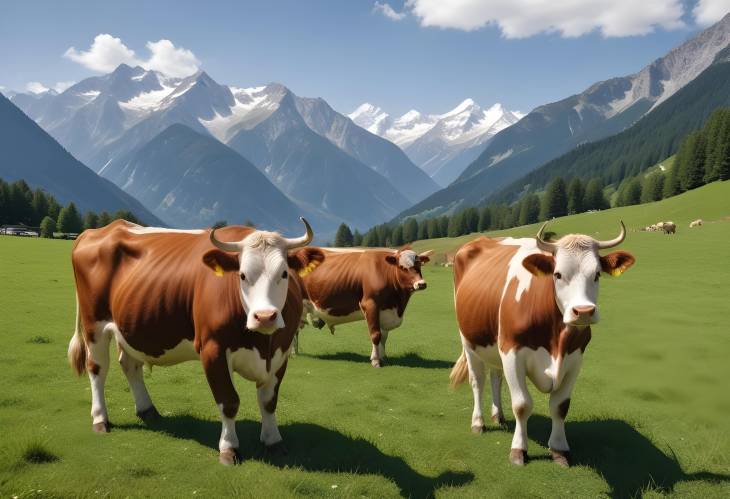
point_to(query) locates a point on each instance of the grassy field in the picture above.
(649, 413)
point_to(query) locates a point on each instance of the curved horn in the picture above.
(221, 245)
(542, 244)
(297, 242)
(614, 242)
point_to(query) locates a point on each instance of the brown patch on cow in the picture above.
(572, 339)
(93, 367)
(520, 410)
(563, 408)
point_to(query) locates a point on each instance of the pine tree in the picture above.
(433, 228)
(91, 220)
(443, 225)
(653, 188)
(40, 206)
(423, 230)
(630, 192)
(594, 198)
(69, 220)
(410, 230)
(576, 193)
(343, 236)
(554, 202)
(529, 210)
(4, 202)
(21, 209)
(471, 220)
(48, 227)
(396, 237)
(104, 219)
(370, 239)
(129, 216)
(53, 207)
(692, 168)
(357, 238)
(457, 227)
(485, 219)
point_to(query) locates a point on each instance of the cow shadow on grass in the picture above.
(628, 461)
(312, 448)
(409, 359)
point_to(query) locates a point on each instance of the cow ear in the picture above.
(424, 257)
(391, 259)
(617, 262)
(539, 264)
(220, 261)
(305, 260)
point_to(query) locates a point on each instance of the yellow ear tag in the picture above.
(306, 270)
(218, 270)
(617, 271)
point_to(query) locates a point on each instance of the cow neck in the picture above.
(403, 294)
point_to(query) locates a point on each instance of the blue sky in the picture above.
(425, 55)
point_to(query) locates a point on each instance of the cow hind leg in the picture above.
(515, 373)
(495, 378)
(97, 365)
(132, 369)
(477, 376)
(267, 395)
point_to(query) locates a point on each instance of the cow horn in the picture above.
(297, 242)
(614, 242)
(233, 247)
(542, 244)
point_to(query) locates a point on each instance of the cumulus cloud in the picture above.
(525, 18)
(36, 87)
(107, 52)
(707, 12)
(388, 11)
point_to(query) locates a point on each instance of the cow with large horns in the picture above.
(524, 309)
(167, 296)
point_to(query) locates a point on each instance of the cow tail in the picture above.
(77, 346)
(460, 371)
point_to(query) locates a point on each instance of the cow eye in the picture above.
(243, 276)
(284, 274)
(558, 275)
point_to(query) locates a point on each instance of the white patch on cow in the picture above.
(229, 439)
(514, 368)
(527, 246)
(182, 352)
(138, 229)
(250, 364)
(269, 428)
(407, 259)
(389, 319)
(98, 353)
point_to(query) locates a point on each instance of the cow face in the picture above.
(575, 268)
(263, 274)
(408, 265)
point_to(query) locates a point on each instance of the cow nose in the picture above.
(584, 310)
(265, 316)
(420, 285)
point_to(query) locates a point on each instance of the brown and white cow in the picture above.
(524, 309)
(356, 284)
(167, 296)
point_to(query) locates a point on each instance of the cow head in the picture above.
(261, 263)
(575, 266)
(408, 265)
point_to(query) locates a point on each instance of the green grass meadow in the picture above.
(650, 414)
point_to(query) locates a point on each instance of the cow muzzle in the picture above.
(419, 285)
(582, 315)
(264, 321)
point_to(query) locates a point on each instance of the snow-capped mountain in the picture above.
(107, 120)
(441, 144)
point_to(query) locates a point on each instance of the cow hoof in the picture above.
(499, 420)
(228, 457)
(319, 323)
(276, 450)
(561, 457)
(478, 428)
(375, 362)
(149, 415)
(517, 457)
(102, 427)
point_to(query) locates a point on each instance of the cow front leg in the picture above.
(476, 380)
(267, 395)
(372, 317)
(516, 375)
(97, 364)
(218, 373)
(559, 405)
(132, 369)
(495, 378)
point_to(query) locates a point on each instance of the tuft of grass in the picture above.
(141, 472)
(38, 453)
(39, 340)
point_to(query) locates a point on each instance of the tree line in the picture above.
(19, 204)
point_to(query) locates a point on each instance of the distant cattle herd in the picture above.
(235, 298)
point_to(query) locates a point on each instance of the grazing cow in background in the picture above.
(167, 296)
(524, 309)
(356, 284)
(669, 227)
(696, 223)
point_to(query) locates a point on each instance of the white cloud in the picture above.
(707, 12)
(107, 52)
(525, 18)
(60, 86)
(36, 87)
(388, 11)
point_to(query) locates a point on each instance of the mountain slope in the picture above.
(193, 180)
(604, 109)
(31, 154)
(314, 172)
(654, 137)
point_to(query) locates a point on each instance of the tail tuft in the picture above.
(460, 371)
(77, 346)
